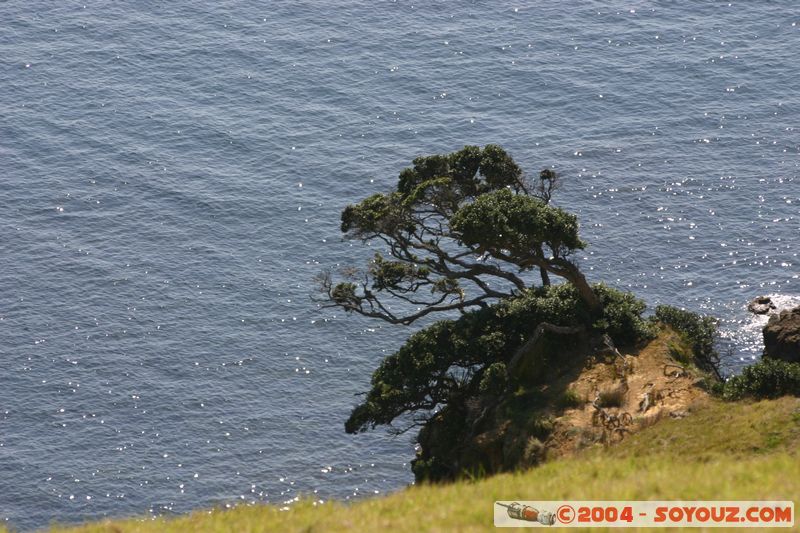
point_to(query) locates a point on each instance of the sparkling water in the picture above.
(171, 177)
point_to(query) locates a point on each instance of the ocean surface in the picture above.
(171, 178)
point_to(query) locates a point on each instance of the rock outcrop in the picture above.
(761, 305)
(782, 336)
(568, 394)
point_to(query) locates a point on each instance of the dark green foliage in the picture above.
(622, 316)
(557, 304)
(441, 435)
(768, 378)
(379, 213)
(699, 331)
(504, 223)
(344, 293)
(424, 169)
(469, 232)
(391, 274)
(454, 359)
(494, 379)
(498, 168)
(461, 230)
(429, 469)
(464, 166)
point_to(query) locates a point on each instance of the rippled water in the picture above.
(172, 175)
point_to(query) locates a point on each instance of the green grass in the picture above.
(724, 451)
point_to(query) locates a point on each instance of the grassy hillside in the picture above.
(721, 451)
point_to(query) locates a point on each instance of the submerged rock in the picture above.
(761, 305)
(782, 336)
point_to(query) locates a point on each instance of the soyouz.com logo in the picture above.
(759, 514)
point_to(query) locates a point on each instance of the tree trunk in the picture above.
(585, 290)
(543, 271)
(566, 269)
(545, 277)
(570, 272)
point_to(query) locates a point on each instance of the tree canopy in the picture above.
(469, 232)
(461, 230)
(470, 237)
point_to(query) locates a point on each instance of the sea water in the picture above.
(172, 173)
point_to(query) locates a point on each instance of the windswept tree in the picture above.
(469, 232)
(461, 230)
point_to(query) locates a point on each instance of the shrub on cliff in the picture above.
(699, 331)
(768, 378)
(468, 232)
(454, 359)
